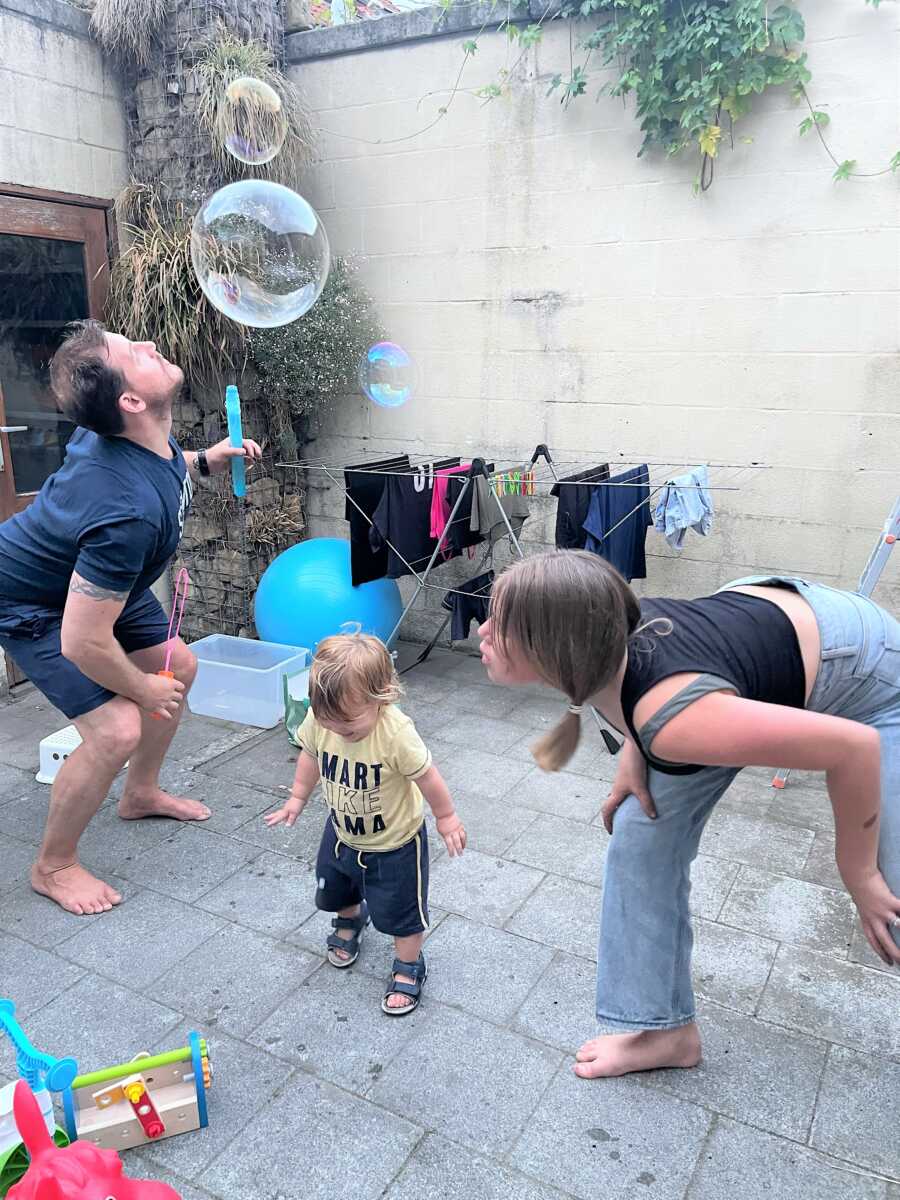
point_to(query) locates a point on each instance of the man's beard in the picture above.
(160, 405)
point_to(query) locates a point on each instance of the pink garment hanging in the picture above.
(440, 506)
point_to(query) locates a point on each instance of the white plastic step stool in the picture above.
(54, 751)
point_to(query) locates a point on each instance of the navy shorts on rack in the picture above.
(394, 883)
(30, 635)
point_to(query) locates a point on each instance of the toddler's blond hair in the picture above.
(349, 671)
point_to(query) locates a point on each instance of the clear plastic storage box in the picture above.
(242, 680)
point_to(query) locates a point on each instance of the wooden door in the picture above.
(54, 269)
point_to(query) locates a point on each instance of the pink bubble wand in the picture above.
(182, 589)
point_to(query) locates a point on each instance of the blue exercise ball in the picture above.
(306, 594)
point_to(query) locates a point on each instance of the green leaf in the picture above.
(786, 25)
(490, 91)
(470, 47)
(815, 118)
(895, 161)
(845, 170)
(554, 84)
(575, 85)
(530, 35)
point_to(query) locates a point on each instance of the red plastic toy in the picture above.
(81, 1171)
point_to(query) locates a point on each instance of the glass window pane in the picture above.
(42, 288)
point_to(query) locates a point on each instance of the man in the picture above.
(76, 610)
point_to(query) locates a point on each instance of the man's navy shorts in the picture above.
(30, 635)
(394, 883)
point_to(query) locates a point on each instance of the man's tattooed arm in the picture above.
(88, 639)
(84, 588)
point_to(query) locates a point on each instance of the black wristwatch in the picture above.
(202, 464)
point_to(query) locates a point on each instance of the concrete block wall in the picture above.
(555, 288)
(62, 119)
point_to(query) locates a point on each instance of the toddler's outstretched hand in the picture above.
(287, 814)
(453, 832)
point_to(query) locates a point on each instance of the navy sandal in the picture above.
(351, 945)
(415, 970)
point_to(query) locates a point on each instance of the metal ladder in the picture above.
(867, 581)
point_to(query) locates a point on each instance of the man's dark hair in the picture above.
(85, 385)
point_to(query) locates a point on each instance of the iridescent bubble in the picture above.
(387, 374)
(256, 121)
(260, 253)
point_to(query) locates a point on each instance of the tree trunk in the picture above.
(165, 143)
(228, 542)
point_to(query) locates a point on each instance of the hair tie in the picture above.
(576, 709)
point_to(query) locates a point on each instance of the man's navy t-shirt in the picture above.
(114, 512)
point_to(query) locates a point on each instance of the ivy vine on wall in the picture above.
(693, 67)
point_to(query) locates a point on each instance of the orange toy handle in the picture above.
(165, 675)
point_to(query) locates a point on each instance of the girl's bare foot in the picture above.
(74, 889)
(135, 805)
(649, 1050)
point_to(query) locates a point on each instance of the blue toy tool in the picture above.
(38, 1070)
(236, 437)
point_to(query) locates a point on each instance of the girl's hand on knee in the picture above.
(630, 780)
(879, 913)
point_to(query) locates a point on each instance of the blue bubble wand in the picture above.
(236, 437)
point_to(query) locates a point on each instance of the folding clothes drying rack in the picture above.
(867, 581)
(479, 467)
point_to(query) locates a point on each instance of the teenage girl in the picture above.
(768, 671)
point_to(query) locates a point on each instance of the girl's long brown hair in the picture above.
(570, 614)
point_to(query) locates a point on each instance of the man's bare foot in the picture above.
(621, 1053)
(75, 889)
(135, 805)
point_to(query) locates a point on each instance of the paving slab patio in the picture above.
(316, 1094)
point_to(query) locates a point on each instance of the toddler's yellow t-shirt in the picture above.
(369, 785)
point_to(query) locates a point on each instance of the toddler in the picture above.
(375, 769)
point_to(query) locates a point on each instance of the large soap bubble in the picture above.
(256, 120)
(387, 374)
(260, 252)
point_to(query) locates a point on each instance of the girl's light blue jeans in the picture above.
(644, 962)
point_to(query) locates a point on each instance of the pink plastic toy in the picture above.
(81, 1171)
(182, 589)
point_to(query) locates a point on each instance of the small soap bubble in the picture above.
(260, 253)
(257, 121)
(387, 375)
